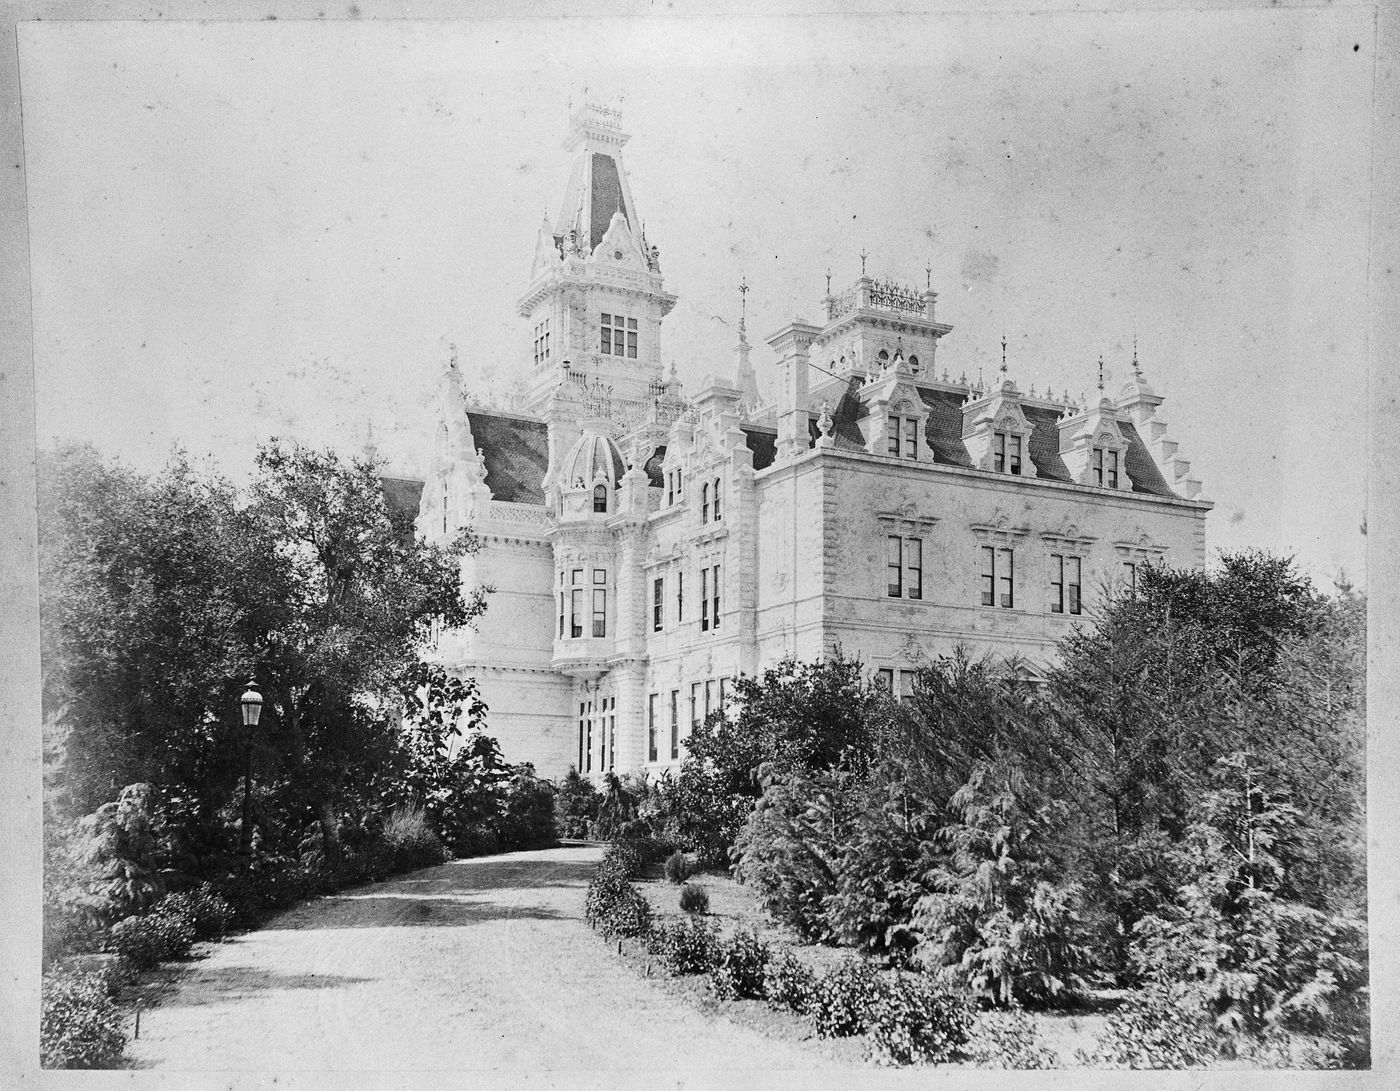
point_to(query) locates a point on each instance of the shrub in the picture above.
(624, 859)
(912, 1022)
(410, 841)
(79, 1025)
(678, 867)
(615, 907)
(694, 898)
(1164, 1026)
(210, 914)
(1007, 1039)
(740, 966)
(688, 947)
(156, 937)
(527, 811)
(842, 999)
(575, 805)
(790, 983)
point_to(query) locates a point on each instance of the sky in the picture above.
(241, 230)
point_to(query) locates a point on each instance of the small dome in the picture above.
(593, 455)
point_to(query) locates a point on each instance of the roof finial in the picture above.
(1003, 356)
(743, 303)
(863, 256)
(928, 277)
(828, 280)
(1137, 370)
(1100, 375)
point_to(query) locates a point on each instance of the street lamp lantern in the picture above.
(252, 704)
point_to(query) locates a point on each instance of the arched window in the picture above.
(705, 503)
(882, 356)
(600, 498)
(914, 364)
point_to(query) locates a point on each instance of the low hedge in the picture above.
(740, 966)
(79, 1025)
(154, 937)
(688, 947)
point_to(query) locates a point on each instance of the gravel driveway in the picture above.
(477, 964)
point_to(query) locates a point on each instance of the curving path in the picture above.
(477, 964)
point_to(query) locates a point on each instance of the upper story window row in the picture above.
(541, 342)
(576, 605)
(618, 336)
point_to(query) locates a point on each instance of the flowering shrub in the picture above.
(689, 947)
(739, 967)
(210, 914)
(79, 1025)
(156, 937)
(694, 898)
(842, 999)
(1164, 1026)
(1007, 1039)
(911, 1022)
(790, 983)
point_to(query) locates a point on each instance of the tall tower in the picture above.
(594, 306)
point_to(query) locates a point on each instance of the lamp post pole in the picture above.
(251, 703)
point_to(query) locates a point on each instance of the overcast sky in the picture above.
(246, 229)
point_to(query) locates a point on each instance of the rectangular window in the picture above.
(612, 733)
(605, 342)
(631, 338)
(657, 603)
(999, 452)
(1057, 584)
(892, 567)
(1005, 582)
(1073, 567)
(914, 568)
(892, 430)
(997, 577)
(561, 605)
(600, 611)
(714, 608)
(697, 710)
(884, 678)
(906, 684)
(1130, 576)
(1112, 469)
(704, 600)
(723, 691)
(710, 703)
(675, 724)
(588, 737)
(651, 726)
(1098, 466)
(576, 612)
(1014, 455)
(704, 503)
(911, 437)
(680, 597)
(582, 741)
(717, 512)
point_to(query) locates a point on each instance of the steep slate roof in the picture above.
(653, 468)
(764, 445)
(402, 495)
(516, 453)
(1044, 447)
(944, 428)
(607, 199)
(1141, 470)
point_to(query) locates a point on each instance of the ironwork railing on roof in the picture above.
(880, 295)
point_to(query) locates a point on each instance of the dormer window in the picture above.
(1105, 468)
(600, 498)
(903, 437)
(1006, 453)
(618, 336)
(914, 364)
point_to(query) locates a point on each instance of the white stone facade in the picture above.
(644, 550)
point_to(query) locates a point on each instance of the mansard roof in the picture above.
(1044, 446)
(1141, 469)
(945, 425)
(516, 451)
(763, 442)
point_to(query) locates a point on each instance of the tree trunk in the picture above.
(330, 832)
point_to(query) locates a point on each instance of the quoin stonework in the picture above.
(646, 544)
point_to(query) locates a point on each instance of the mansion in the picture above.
(645, 547)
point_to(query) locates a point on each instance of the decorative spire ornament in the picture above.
(863, 256)
(928, 277)
(743, 304)
(1137, 370)
(828, 280)
(1003, 356)
(1100, 375)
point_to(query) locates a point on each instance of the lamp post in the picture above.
(251, 703)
